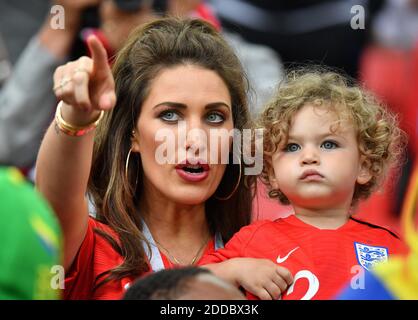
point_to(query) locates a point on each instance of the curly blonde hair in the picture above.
(381, 141)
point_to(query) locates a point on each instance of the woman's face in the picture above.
(187, 106)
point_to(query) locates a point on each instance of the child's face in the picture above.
(319, 167)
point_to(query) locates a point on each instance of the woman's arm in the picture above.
(63, 166)
(62, 172)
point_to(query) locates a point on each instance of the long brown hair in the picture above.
(160, 44)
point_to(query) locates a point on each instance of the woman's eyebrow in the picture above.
(215, 105)
(178, 105)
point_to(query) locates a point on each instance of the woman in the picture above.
(169, 72)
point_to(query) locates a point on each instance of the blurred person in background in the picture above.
(26, 97)
(303, 31)
(26, 100)
(189, 283)
(396, 24)
(389, 68)
(31, 242)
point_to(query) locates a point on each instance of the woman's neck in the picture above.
(175, 221)
(180, 231)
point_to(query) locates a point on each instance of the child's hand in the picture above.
(261, 277)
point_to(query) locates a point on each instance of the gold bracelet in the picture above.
(71, 130)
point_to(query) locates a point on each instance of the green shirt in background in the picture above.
(30, 241)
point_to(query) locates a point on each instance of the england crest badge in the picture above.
(368, 256)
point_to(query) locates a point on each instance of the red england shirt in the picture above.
(95, 256)
(321, 261)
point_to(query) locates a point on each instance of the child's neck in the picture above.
(323, 218)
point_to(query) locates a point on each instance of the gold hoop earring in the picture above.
(235, 188)
(127, 163)
(128, 157)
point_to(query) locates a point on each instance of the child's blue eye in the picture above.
(329, 145)
(169, 116)
(292, 147)
(215, 117)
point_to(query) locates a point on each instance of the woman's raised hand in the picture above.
(86, 84)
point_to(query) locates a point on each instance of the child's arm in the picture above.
(261, 277)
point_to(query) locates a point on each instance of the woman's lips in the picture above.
(193, 176)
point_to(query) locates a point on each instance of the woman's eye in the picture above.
(215, 118)
(170, 116)
(329, 145)
(292, 147)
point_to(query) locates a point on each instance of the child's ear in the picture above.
(364, 174)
